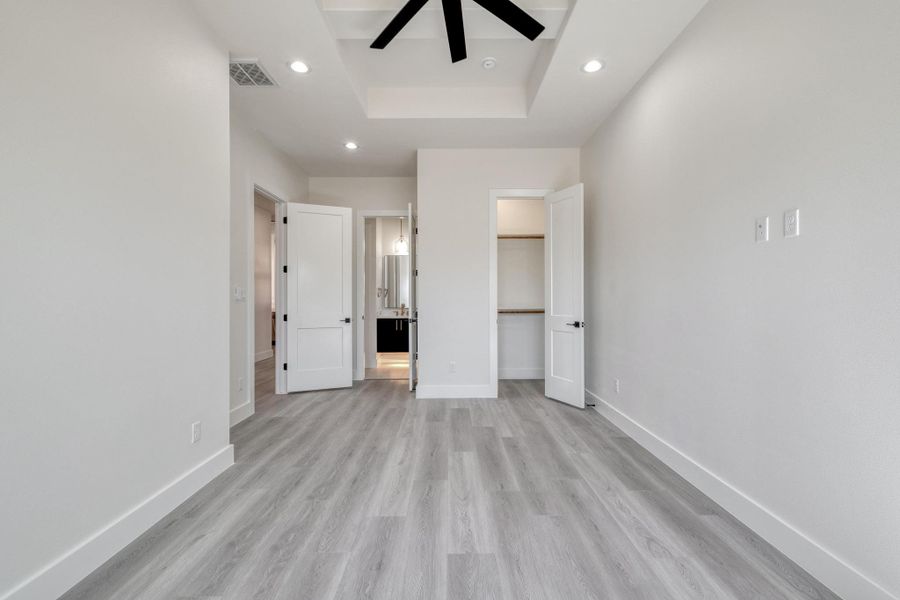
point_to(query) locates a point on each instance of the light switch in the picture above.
(792, 223)
(762, 229)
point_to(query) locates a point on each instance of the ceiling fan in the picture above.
(504, 10)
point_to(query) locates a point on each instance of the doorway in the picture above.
(537, 289)
(518, 283)
(386, 297)
(263, 302)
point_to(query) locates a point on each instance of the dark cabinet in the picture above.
(393, 335)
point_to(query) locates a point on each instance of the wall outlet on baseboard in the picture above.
(618, 386)
(195, 432)
(453, 366)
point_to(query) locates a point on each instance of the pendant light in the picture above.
(401, 246)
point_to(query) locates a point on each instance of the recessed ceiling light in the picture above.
(489, 63)
(298, 66)
(592, 66)
(351, 146)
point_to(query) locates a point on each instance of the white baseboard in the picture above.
(239, 413)
(840, 577)
(520, 373)
(455, 391)
(260, 356)
(56, 578)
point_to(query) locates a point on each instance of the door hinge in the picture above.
(284, 268)
(285, 366)
(284, 220)
(417, 272)
(285, 317)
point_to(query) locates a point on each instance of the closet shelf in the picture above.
(535, 236)
(520, 311)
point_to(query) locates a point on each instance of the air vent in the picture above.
(250, 74)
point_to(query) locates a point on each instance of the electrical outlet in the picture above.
(195, 432)
(453, 366)
(762, 229)
(792, 223)
(618, 386)
(240, 384)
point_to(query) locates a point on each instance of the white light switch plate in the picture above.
(792, 223)
(762, 229)
(195, 432)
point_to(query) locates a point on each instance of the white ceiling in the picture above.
(411, 96)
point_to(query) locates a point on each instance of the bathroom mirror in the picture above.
(395, 280)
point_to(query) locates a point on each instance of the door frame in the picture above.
(359, 373)
(247, 409)
(496, 194)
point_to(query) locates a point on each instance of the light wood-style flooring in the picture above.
(369, 493)
(390, 365)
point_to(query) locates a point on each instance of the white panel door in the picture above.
(319, 298)
(413, 307)
(564, 296)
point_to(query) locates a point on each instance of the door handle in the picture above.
(345, 320)
(576, 324)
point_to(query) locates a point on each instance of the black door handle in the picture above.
(576, 324)
(346, 319)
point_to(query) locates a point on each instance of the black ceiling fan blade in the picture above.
(403, 17)
(513, 16)
(456, 33)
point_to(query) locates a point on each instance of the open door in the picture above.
(413, 306)
(319, 298)
(564, 296)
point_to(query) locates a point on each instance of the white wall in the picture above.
(774, 366)
(453, 259)
(262, 279)
(254, 162)
(362, 193)
(520, 216)
(113, 252)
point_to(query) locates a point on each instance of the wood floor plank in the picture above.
(424, 543)
(368, 492)
(471, 528)
(375, 564)
(473, 577)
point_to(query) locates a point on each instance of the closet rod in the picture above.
(520, 311)
(521, 237)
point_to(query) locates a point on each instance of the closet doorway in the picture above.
(517, 282)
(383, 343)
(537, 289)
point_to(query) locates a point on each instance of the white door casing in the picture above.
(413, 307)
(564, 296)
(319, 297)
